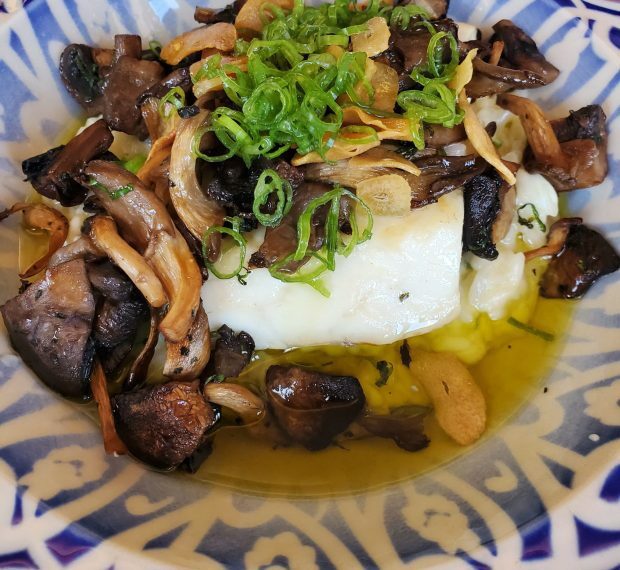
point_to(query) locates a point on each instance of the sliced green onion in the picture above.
(371, 134)
(268, 183)
(308, 273)
(400, 16)
(113, 194)
(174, 97)
(547, 336)
(535, 217)
(135, 163)
(238, 238)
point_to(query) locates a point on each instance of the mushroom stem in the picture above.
(540, 134)
(242, 401)
(105, 236)
(112, 443)
(43, 218)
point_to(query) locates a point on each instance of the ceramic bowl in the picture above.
(542, 491)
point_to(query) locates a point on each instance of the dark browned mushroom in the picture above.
(49, 325)
(482, 198)
(81, 75)
(139, 369)
(556, 238)
(585, 257)
(404, 425)
(209, 16)
(164, 425)
(281, 240)
(312, 407)
(570, 152)
(491, 79)
(232, 353)
(521, 52)
(53, 173)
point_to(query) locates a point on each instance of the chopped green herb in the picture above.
(241, 242)
(535, 217)
(174, 97)
(403, 296)
(532, 330)
(135, 163)
(385, 369)
(215, 379)
(113, 194)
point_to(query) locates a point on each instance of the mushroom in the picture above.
(281, 240)
(404, 425)
(209, 16)
(438, 175)
(81, 248)
(312, 407)
(248, 406)
(491, 79)
(120, 311)
(482, 198)
(164, 425)
(250, 17)
(140, 366)
(556, 238)
(49, 325)
(104, 235)
(585, 257)
(231, 354)
(81, 75)
(44, 218)
(521, 52)
(145, 223)
(187, 358)
(112, 443)
(196, 211)
(221, 36)
(53, 173)
(571, 152)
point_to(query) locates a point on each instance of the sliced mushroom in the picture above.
(53, 174)
(98, 383)
(209, 16)
(492, 79)
(144, 221)
(281, 240)
(103, 233)
(139, 369)
(81, 248)
(163, 425)
(221, 36)
(556, 239)
(585, 257)
(49, 325)
(250, 17)
(404, 425)
(232, 353)
(521, 52)
(44, 218)
(120, 312)
(248, 406)
(312, 407)
(571, 152)
(187, 358)
(196, 210)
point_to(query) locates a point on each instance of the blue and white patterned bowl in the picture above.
(543, 492)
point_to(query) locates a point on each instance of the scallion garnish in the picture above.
(113, 194)
(269, 183)
(547, 336)
(318, 262)
(535, 217)
(237, 237)
(174, 97)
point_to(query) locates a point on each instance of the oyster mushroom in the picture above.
(571, 152)
(44, 218)
(311, 407)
